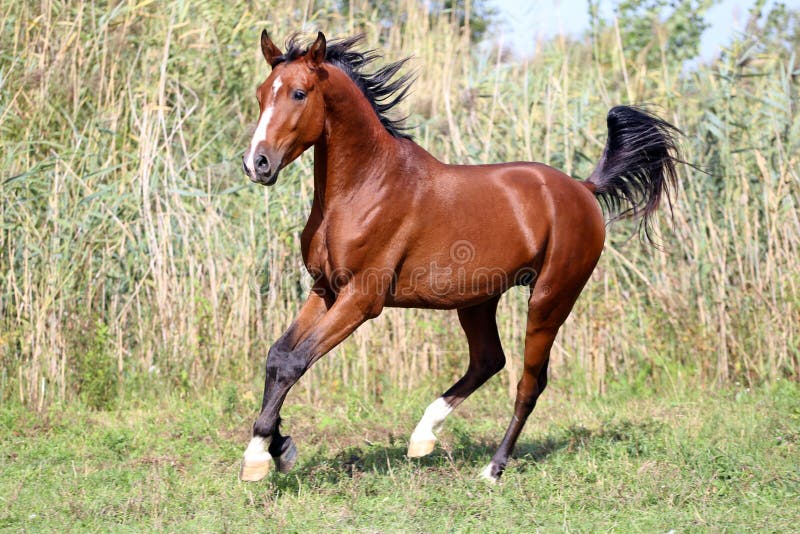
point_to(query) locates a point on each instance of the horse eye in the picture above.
(298, 95)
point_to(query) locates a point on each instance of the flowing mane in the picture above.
(383, 93)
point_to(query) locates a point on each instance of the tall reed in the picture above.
(129, 233)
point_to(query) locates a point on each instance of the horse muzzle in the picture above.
(263, 172)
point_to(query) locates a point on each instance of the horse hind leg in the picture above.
(551, 301)
(486, 359)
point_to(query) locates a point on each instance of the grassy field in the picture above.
(143, 279)
(684, 461)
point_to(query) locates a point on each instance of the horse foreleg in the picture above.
(256, 462)
(486, 359)
(285, 365)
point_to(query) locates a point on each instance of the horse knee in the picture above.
(277, 351)
(283, 365)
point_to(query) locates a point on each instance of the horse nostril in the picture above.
(262, 164)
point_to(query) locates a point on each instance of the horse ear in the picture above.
(316, 54)
(268, 48)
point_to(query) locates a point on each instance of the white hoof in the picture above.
(250, 472)
(256, 462)
(418, 449)
(487, 475)
(423, 440)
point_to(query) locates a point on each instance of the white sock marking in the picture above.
(431, 421)
(486, 474)
(260, 134)
(255, 452)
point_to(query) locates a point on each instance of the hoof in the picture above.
(287, 457)
(253, 471)
(418, 449)
(255, 464)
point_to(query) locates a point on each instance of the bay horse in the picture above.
(390, 225)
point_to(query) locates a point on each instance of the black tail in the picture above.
(638, 165)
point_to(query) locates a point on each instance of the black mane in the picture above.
(379, 89)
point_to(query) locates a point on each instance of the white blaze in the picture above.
(432, 420)
(263, 122)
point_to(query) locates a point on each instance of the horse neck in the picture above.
(355, 148)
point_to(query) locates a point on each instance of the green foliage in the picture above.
(230, 399)
(779, 26)
(662, 30)
(95, 369)
(478, 13)
(118, 442)
(473, 16)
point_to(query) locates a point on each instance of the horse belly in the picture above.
(450, 286)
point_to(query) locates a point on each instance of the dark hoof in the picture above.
(287, 456)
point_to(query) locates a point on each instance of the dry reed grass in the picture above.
(122, 123)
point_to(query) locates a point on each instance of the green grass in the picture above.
(720, 461)
(141, 261)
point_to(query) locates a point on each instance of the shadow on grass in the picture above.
(326, 468)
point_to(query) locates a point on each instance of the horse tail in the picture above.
(637, 167)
